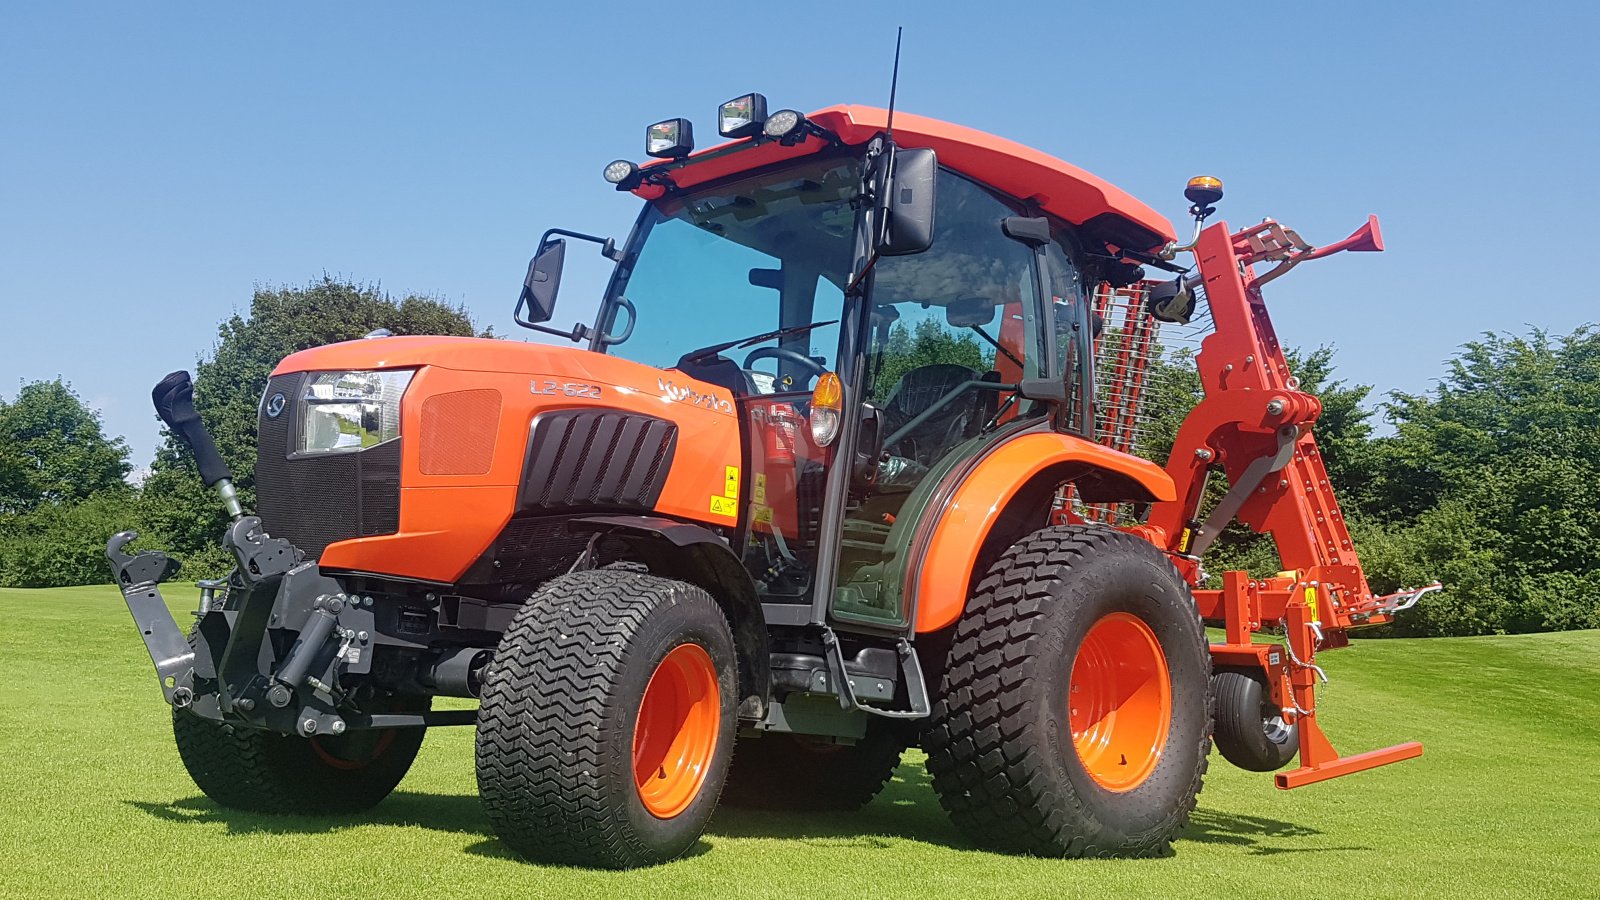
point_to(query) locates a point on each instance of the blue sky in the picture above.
(157, 163)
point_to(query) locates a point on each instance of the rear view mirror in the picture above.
(975, 312)
(544, 279)
(908, 208)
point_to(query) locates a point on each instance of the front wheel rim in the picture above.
(675, 735)
(1119, 701)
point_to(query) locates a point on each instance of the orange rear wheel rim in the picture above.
(675, 736)
(1119, 701)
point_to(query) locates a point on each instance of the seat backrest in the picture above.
(920, 389)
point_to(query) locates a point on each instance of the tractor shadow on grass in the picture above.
(906, 810)
(453, 813)
(1260, 836)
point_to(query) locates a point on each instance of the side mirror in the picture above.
(544, 279)
(908, 209)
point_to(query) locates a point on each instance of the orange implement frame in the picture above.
(1254, 424)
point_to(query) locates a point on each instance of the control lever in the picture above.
(174, 400)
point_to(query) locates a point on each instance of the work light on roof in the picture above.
(742, 116)
(620, 172)
(783, 124)
(671, 139)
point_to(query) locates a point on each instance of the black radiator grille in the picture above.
(316, 500)
(596, 460)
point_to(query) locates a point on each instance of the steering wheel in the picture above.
(814, 368)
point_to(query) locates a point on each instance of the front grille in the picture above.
(316, 500)
(583, 459)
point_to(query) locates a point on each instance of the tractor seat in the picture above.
(922, 387)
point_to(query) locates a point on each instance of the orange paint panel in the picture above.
(940, 588)
(442, 531)
(1060, 188)
(447, 521)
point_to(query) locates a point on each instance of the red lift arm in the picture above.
(1255, 425)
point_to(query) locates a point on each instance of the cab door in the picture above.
(952, 331)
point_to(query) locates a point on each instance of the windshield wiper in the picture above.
(740, 343)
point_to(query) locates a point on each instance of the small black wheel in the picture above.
(1073, 717)
(797, 772)
(1251, 732)
(607, 720)
(266, 772)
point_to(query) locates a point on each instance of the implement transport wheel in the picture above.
(266, 772)
(795, 772)
(1073, 717)
(1251, 732)
(607, 720)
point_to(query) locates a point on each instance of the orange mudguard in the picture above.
(939, 586)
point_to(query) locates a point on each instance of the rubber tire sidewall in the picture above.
(262, 771)
(560, 704)
(1241, 738)
(701, 623)
(1149, 590)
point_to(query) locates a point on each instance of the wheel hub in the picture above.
(675, 736)
(1120, 701)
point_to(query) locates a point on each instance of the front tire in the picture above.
(1073, 718)
(266, 772)
(607, 720)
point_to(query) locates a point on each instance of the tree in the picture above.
(927, 343)
(59, 544)
(229, 384)
(53, 450)
(1492, 484)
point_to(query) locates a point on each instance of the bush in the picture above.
(60, 544)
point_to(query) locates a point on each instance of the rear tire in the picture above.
(266, 772)
(795, 772)
(607, 720)
(1251, 732)
(1026, 764)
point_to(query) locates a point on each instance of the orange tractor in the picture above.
(830, 476)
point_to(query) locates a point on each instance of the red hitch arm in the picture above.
(1255, 424)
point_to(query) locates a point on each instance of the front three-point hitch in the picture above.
(277, 645)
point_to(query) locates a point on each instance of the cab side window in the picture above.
(947, 320)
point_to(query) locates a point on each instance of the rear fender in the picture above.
(1007, 495)
(699, 556)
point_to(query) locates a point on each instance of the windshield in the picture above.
(765, 253)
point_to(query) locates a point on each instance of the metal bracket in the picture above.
(910, 667)
(1240, 492)
(261, 556)
(169, 649)
(145, 567)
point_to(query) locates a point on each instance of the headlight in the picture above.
(348, 411)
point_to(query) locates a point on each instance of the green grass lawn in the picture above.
(1506, 800)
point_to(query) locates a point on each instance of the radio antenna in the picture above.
(894, 82)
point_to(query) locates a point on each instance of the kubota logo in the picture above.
(683, 394)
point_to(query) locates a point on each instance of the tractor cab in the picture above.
(864, 371)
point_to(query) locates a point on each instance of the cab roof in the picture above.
(1105, 212)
